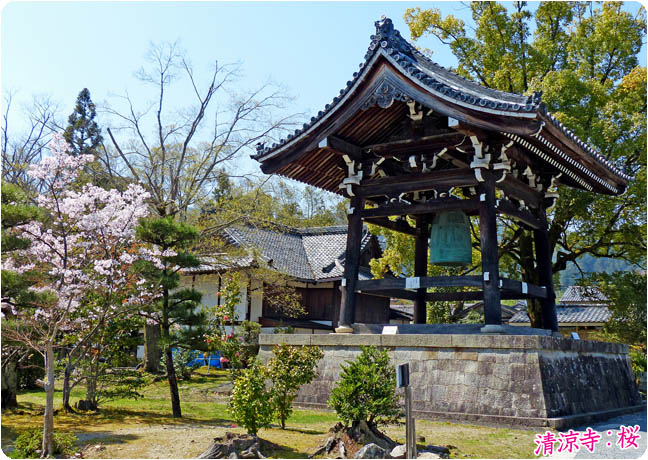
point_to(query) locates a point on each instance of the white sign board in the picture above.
(413, 283)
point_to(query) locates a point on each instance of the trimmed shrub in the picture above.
(251, 402)
(366, 391)
(290, 368)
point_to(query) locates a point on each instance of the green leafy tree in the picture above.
(175, 310)
(584, 58)
(289, 369)
(238, 343)
(184, 362)
(251, 401)
(105, 366)
(626, 292)
(366, 390)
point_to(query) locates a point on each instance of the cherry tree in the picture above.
(85, 244)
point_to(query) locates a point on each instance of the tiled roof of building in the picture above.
(220, 262)
(439, 80)
(574, 314)
(401, 311)
(309, 254)
(583, 295)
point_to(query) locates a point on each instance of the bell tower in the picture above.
(407, 140)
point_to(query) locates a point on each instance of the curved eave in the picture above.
(452, 96)
(447, 100)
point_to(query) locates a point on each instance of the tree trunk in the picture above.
(91, 383)
(9, 384)
(152, 351)
(173, 383)
(48, 418)
(67, 376)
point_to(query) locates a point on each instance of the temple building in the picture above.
(407, 137)
(407, 140)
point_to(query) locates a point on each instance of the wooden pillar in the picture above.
(420, 266)
(545, 273)
(489, 251)
(351, 265)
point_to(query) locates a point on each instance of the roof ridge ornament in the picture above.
(389, 37)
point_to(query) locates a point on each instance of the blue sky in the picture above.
(312, 49)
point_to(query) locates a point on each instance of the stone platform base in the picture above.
(514, 380)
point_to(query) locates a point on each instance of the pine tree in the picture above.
(175, 309)
(15, 292)
(82, 133)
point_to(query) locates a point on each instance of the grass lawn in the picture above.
(143, 428)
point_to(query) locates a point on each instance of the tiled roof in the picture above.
(311, 254)
(437, 79)
(401, 311)
(220, 262)
(573, 314)
(583, 295)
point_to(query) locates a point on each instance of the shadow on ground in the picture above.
(104, 437)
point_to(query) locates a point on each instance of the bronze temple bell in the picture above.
(450, 243)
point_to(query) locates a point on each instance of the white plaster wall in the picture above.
(208, 285)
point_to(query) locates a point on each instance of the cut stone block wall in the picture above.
(511, 379)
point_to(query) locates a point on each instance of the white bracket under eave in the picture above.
(415, 115)
(486, 276)
(343, 281)
(375, 164)
(477, 145)
(530, 176)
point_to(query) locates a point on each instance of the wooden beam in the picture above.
(532, 291)
(444, 179)
(445, 296)
(517, 189)
(424, 282)
(342, 147)
(508, 208)
(397, 226)
(394, 294)
(414, 145)
(429, 207)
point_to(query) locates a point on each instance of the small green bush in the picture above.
(251, 402)
(366, 391)
(181, 362)
(31, 441)
(290, 368)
